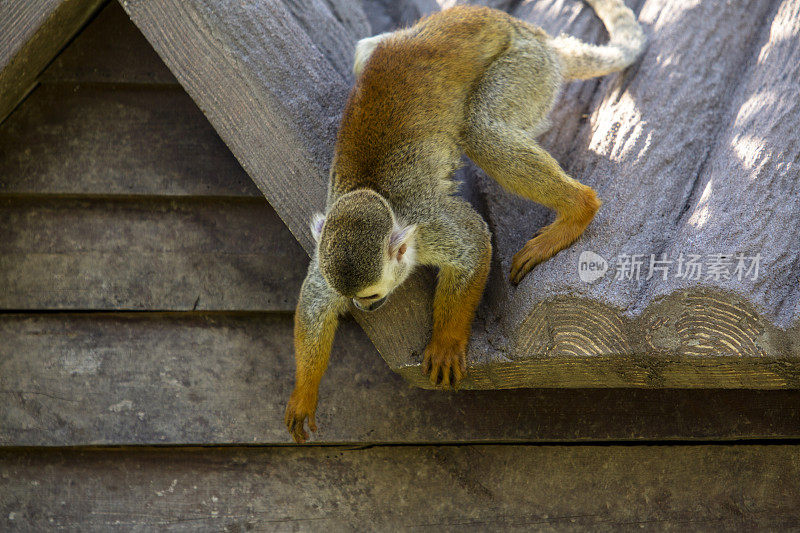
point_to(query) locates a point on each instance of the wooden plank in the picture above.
(472, 488)
(645, 154)
(109, 50)
(194, 378)
(31, 33)
(90, 139)
(145, 253)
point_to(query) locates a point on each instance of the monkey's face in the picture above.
(398, 262)
(363, 252)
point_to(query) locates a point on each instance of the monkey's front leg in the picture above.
(458, 292)
(315, 323)
(311, 358)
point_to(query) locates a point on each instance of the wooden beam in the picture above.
(221, 378)
(509, 488)
(265, 87)
(32, 32)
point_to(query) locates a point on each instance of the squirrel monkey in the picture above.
(468, 79)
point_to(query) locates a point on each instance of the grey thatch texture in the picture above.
(690, 149)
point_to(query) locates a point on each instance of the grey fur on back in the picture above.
(581, 60)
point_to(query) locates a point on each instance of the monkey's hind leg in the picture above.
(505, 111)
(524, 168)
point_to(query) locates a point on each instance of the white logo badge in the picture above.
(591, 266)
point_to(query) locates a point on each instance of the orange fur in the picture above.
(569, 224)
(414, 87)
(311, 358)
(453, 313)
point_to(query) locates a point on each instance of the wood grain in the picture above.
(109, 50)
(102, 140)
(223, 378)
(268, 91)
(469, 488)
(146, 253)
(31, 34)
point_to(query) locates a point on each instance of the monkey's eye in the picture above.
(370, 297)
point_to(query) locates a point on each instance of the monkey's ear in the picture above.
(399, 240)
(316, 225)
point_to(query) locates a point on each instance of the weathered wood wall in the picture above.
(393, 488)
(147, 290)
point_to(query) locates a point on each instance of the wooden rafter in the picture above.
(32, 32)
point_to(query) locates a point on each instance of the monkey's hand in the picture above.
(301, 405)
(446, 361)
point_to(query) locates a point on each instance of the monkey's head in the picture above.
(364, 252)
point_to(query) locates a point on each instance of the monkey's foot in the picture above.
(549, 241)
(301, 406)
(445, 362)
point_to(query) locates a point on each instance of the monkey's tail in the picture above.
(580, 60)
